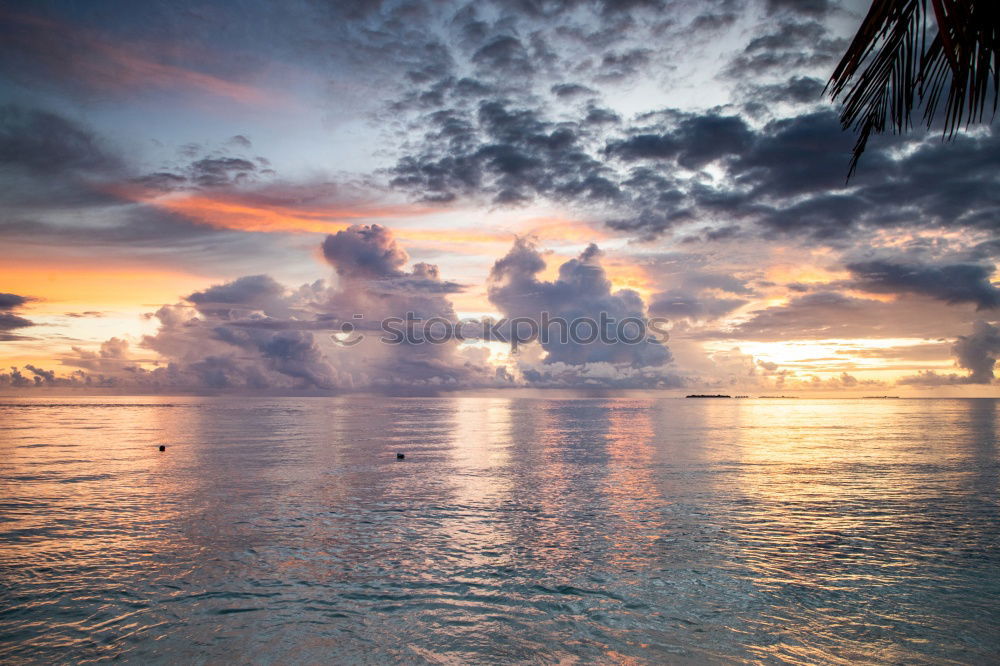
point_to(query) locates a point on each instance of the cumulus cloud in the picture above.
(587, 108)
(582, 290)
(365, 252)
(976, 352)
(253, 333)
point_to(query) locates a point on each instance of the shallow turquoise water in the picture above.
(517, 529)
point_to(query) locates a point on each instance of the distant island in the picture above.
(700, 395)
(880, 397)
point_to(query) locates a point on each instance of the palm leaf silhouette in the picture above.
(910, 53)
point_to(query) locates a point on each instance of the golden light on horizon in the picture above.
(94, 285)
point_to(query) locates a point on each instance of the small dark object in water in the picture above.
(163, 448)
(400, 456)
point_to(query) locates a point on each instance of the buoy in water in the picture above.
(400, 456)
(163, 448)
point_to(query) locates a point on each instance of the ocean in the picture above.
(517, 529)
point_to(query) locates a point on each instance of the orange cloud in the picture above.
(625, 275)
(246, 216)
(225, 212)
(783, 273)
(561, 229)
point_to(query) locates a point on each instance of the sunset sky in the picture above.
(189, 193)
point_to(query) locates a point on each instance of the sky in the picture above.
(197, 197)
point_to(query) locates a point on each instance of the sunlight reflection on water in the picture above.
(794, 531)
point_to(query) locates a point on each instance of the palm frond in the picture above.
(906, 54)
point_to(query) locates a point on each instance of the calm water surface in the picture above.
(517, 529)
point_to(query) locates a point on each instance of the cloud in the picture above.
(796, 90)
(953, 283)
(792, 45)
(828, 314)
(254, 333)
(572, 90)
(49, 161)
(252, 291)
(694, 126)
(808, 7)
(976, 352)
(679, 304)
(10, 321)
(47, 144)
(364, 252)
(582, 290)
(11, 301)
(696, 141)
(218, 171)
(45, 50)
(700, 295)
(505, 55)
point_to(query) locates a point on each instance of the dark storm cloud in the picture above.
(791, 46)
(794, 181)
(512, 154)
(49, 161)
(572, 90)
(696, 141)
(227, 167)
(47, 144)
(955, 283)
(505, 55)
(645, 146)
(788, 177)
(10, 321)
(11, 301)
(808, 7)
(512, 144)
(600, 116)
(219, 171)
(620, 65)
(797, 89)
(793, 156)
(515, 155)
